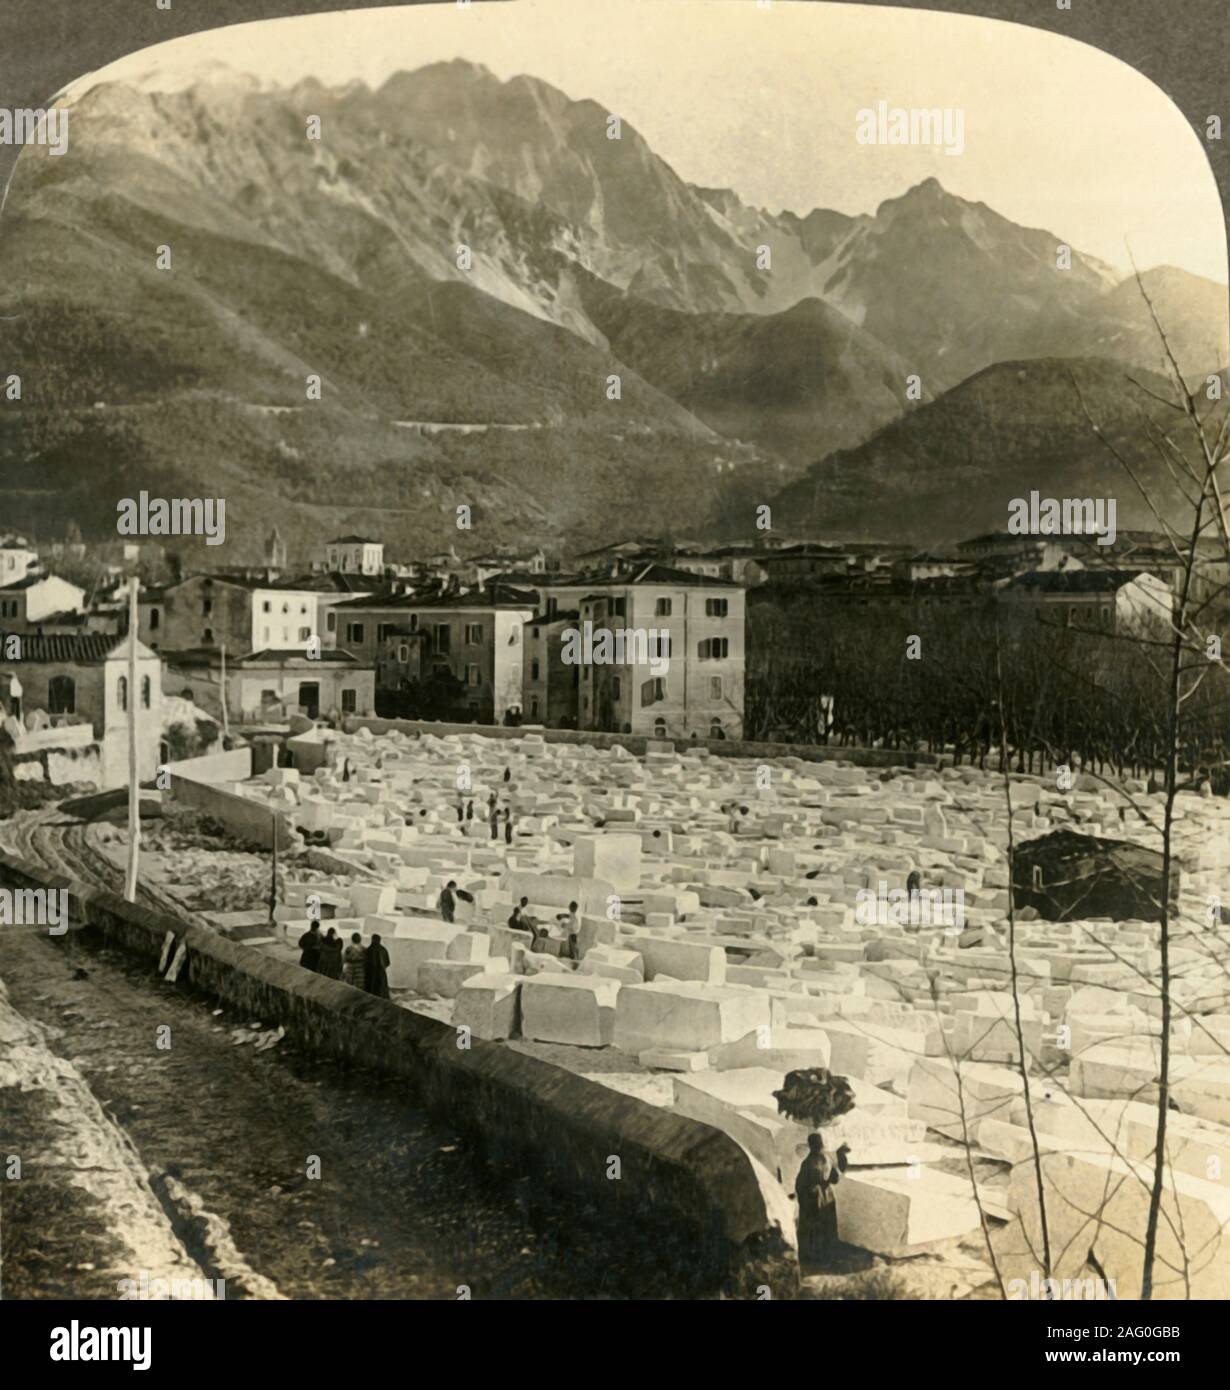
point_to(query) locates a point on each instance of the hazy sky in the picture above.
(765, 101)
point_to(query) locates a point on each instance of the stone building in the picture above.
(684, 672)
(85, 679)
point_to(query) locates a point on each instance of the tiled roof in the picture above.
(336, 656)
(353, 540)
(567, 615)
(650, 573)
(1075, 581)
(81, 649)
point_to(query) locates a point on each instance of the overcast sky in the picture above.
(1057, 134)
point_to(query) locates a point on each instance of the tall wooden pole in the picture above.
(134, 786)
(226, 728)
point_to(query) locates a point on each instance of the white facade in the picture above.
(15, 560)
(46, 595)
(701, 628)
(353, 555)
(283, 619)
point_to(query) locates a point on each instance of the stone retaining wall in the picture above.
(687, 1182)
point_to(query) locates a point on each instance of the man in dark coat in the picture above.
(819, 1174)
(447, 903)
(309, 947)
(376, 969)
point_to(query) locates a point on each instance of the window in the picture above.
(713, 648)
(403, 652)
(716, 607)
(269, 697)
(659, 727)
(61, 695)
(652, 691)
(285, 608)
(305, 634)
(331, 622)
(354, 632)
(616, 687)
(660, 647)
(383, 630)
(473, 676)
(207, 607)
(662, 608)
(414, 622)
(534, 709)
(619, 607)
(440, 642)
(349, 704)
(552, 605)
(715, 728)
(154, 618)
(535, 634)
(533, 670)
(145, 692)
(474, 634)
(208, 637)
(121, 692)
(715, 687)
(303, 608)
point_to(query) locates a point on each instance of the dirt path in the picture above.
(402, 1208)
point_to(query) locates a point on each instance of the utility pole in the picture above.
(134, 787)
(273, 885)
(225, 722)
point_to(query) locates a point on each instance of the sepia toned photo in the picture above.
(611, 669)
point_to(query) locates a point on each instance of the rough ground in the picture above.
(403, 1207)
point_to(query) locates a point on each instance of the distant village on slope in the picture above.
(483, 639)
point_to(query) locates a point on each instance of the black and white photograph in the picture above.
(611, 669)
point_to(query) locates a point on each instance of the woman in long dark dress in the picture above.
(376, 969)
(331, 955)
(813, 1188)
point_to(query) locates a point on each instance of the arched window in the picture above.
(61, 695)
(121, 692)
(154, 619)
(145, 692)
(659, 728)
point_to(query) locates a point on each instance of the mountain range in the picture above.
(457, 249)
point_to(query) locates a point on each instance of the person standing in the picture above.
(309, 947)
(376, 969)
(495, 821)
(330, 963)
(508, 826)
(818, 1176)
(352, 961)
(569, 923)
(447, 903)
(469, 810)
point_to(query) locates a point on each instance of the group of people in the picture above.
(496, 816)
(364, 967)
(566, 930)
